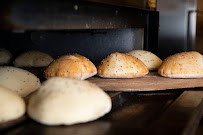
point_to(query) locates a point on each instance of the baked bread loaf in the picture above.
(33, 59)
(152, 61)
(71, 65)
(183, 65)
(5, 56)
(121, 65)
(12, 106)
(18, 80)
(67, 101)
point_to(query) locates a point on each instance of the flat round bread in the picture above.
(152, 61)
(5, 56)
(121, 65)
(67, 101)
(18, 80)
(71, 65)
(33, 59)
(183, 65)
(12, 106)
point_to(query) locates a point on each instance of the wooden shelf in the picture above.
(150, 82)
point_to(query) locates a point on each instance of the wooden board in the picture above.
(150, 82)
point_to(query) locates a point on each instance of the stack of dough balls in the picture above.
(67, 101)
(33, 59)
(12, 106)
(5, 56)
(71, 65)
(183, 65)
(152, 61)
(18, 80)
(121, 65)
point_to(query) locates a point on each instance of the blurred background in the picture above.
(180, 26)
(199, 32)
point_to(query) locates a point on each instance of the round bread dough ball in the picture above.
(5, 56)
(71, 65)
(18, 80)
(33, 59)
(12, 106)
(121, 65)
(183, 65)
(152, 61)
(67, 101)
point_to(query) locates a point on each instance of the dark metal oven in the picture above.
(95, 29)
(91, 29)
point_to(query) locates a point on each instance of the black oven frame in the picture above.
(73, 15)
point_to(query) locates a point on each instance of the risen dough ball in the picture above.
(33, 59)
(5, 56)
(18, 80)
(67, 101)
(12, 106)
(152, 61)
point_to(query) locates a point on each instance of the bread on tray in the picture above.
(152, 61)
(183, 65)
(5, 56)
(18, 80)
(33, 59)
(121, 65)
(71, 65)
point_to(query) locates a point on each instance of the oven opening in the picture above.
(94, 44)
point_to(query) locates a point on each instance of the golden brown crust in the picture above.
(71, 65)
(121, 65)
(183, 65)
